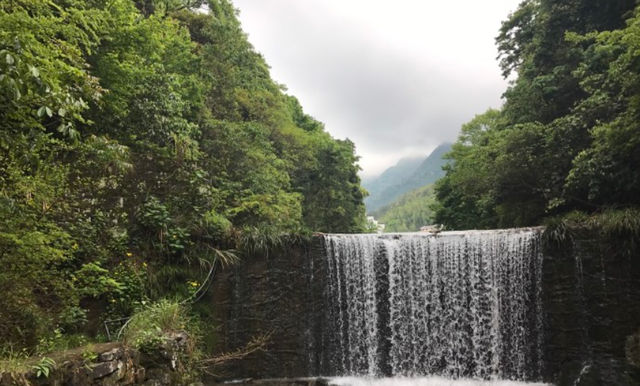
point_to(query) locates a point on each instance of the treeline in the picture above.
(568, 136)
(139, 140)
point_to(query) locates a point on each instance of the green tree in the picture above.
(138, 140)
(565, 139)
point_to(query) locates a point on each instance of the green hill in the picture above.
(391, 177)
(408, 213)
(400, 179)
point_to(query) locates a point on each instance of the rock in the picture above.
(100, 370)
(115, 365)
(179, 337)
(80, 376)
(140, 375)
(111, 355)
(158, 377)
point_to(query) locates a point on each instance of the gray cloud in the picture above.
(392, 99)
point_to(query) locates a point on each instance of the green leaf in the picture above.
(62, 112)
(34, 71)
(48, 111)
(23, 87)
(41, 111)
(10, 59)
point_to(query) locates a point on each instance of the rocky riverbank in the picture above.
(108, 364)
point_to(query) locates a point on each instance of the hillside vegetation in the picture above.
(142, 142)
(408, 213)
(404, 177)
(568, 136)
(391, 177)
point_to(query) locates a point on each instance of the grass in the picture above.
(148, 327)
(20, 362)
(14, 361)
(620, 226)
(260, 242)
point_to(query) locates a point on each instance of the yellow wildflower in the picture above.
(129, 254)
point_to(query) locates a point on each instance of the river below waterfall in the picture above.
(429, 381)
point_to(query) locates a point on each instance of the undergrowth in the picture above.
(13, 361)
(155, 328)
(619, 226)
(152, 324)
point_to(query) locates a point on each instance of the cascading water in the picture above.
(455, 304)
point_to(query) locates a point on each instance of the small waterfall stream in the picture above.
(455, 304)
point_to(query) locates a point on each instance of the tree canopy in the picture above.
(567, 138)
(138, 139)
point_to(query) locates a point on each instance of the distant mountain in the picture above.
(404, 177)
(408, 213)
(392, 176)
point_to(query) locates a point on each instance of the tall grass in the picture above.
(619, 226)
(13, 361)
(149, 326)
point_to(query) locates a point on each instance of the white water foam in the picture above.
(430, 381)
(457, 305)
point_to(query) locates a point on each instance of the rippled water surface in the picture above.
(429, 381)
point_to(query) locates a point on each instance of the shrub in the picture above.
(149, 327)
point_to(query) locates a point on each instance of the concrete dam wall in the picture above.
(479, 304)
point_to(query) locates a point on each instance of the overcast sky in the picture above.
(396, 77)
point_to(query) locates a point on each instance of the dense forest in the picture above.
(567, 140)
(142, 142)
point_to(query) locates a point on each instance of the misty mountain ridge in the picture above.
(408, 174)
(392, 175)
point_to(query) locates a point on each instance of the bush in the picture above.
(149, 327)
(166, 331)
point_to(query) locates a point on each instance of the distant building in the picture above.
(375, 224)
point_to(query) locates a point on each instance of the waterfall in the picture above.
(454, 304)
